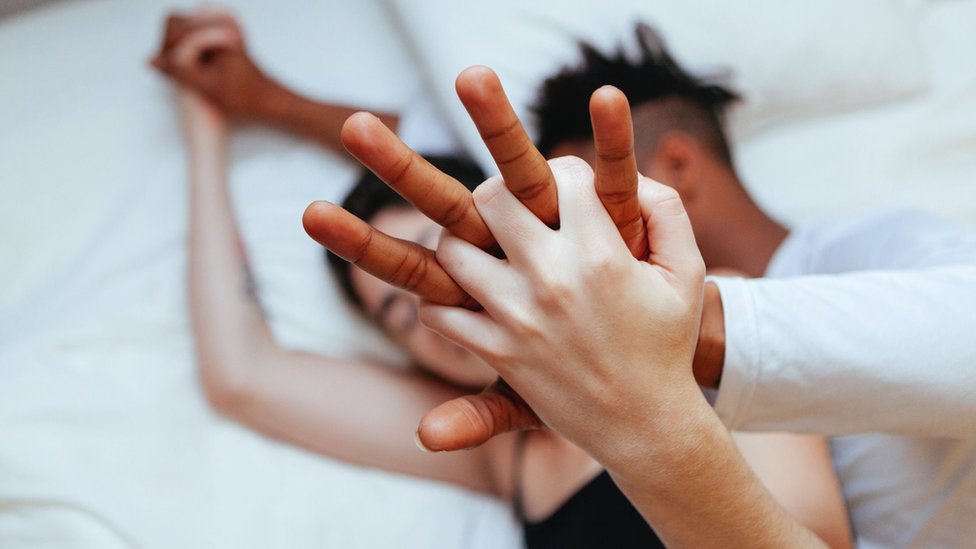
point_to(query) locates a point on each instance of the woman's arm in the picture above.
(798, 472)
(349, 410)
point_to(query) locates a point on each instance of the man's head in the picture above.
(393, 309)
(679, 138)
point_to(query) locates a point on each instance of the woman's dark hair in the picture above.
(562, 106)
(370, 195)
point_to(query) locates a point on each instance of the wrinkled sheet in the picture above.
(105, 437)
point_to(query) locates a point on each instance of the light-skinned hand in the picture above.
(589, 336)
(472, 420)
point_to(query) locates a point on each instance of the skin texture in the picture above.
(448, 203)
(529, 178)
(568, 323)
(307, 400)
(537, 329)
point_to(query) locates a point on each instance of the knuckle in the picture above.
(496, 357)
(553, 291)
(631, 229)
(411, 271)
(508, 412)
(672, 205)
(360, 250)
(523, 323)
(570, 166)
(668, 194)
(522, 153)
(448, 253)
(664, 200)
(601, 266)
(502, 132)
(454, 212)
(400, 170)
(613, 152)
(616, 197)
(667, 200)
(487, 191)
(534, 189)
(477, 415)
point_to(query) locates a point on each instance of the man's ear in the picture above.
(676, 161)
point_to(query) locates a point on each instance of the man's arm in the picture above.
(888, 351)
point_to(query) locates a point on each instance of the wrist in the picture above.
(275, 104)
(676, 437)
(710, 352)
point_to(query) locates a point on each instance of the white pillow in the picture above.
(788, 59)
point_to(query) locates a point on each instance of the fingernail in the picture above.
(416, 440)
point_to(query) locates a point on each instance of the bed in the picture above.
(105, 437)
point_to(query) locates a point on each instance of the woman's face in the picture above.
(395, 310)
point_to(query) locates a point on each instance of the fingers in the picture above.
(482, 276)
(509, 220)
(470, 421)
(579, 207)
(473, 330)
(616, 166)
(176, 26)
(179, 27)
(669, 234)
(521, 165)
(440, 197)
(404, 264)
(190, 51)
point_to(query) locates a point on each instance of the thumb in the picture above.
(472, 420)
(669, 233)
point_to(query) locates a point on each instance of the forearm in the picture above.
(798, 471)
(229, 327)
(883, 351)
(710, 351)
(306, 117)
(693, 486)
(349, 410)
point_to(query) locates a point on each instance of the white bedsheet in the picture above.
(105, 438)
(919, 153)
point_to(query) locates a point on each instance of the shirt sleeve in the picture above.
(871, 351)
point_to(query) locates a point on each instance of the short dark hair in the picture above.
(370, 195)
(562, 107)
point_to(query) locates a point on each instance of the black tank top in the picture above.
(597, 516)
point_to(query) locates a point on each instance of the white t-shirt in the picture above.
(872, 337)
